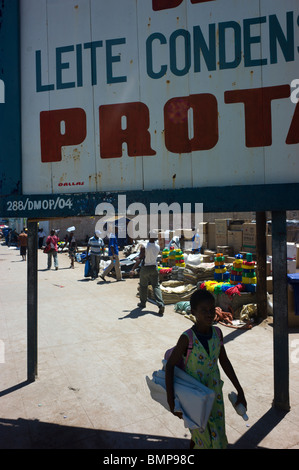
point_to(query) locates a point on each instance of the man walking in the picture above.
(41, 236)
(114, 258)
(22, 241)
(51, 249)
(95, 245)
(149, 272)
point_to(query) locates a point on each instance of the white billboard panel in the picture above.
(158, 94)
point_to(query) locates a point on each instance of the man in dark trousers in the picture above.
(95, 245)
(23, 241)
(149, 272)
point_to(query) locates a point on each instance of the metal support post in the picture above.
(32, 302)
(261, 255)
(280, 311)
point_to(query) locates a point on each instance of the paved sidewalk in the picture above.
(95, 349)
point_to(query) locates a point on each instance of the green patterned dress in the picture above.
(204, 367)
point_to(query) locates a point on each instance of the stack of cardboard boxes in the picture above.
(249, 237)
(230, 236)
(235, 236)
(221, 229)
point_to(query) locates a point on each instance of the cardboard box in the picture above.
(293, 215)
(268, 268)
(226, 250)
(207, 258)
(249, 249)
(222, 226)
(203, 227)
(292, 233)
(236, 225)
(161, 239)
(249, 234)
(269, 283)
(293, 319)
(291, 266)
(291, 250)
(211, 236)
(235, 240)
(210, 254)
(220, 239)
(204, 242)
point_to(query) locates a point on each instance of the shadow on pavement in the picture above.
(259, 430)
(14, 388)
(34, 434)
(138, 312)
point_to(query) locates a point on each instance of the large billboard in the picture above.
(147, 95)
(122, 95)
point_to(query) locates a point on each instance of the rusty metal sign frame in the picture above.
(14, 203)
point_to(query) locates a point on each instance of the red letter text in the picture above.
(136, 133)
(53, 138)
(205, 123)
(257, 103)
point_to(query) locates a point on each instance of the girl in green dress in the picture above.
(203, 365)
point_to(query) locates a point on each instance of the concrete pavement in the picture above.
(95, 348)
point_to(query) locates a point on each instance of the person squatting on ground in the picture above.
(202, 364)
(113, 254)
(95, 245)
(149, 273)
(51, 249)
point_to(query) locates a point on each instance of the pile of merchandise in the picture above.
(220, 287)
(249, 274)
(180, 275)
(174, 291)
(221, 274)
(242, 277)
(165, 256)
(196, 274)
(236, 272)
(172, 257)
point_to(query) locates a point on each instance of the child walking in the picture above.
(202, 364)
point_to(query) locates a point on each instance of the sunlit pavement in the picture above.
(95, 348)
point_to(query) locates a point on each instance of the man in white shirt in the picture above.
(41, 236)
(149, 272)
(95, 244)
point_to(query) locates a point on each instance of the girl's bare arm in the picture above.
(229, 371)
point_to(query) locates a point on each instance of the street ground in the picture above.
(95, 348)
